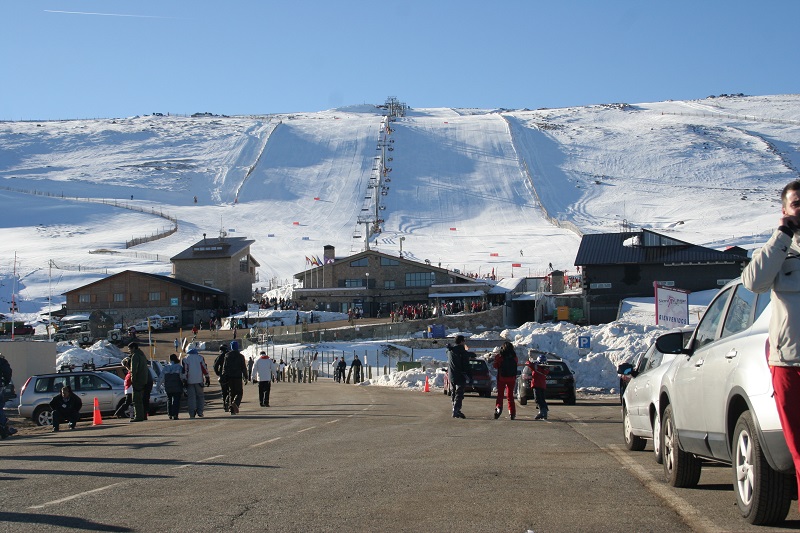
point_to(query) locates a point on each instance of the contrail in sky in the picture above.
(105, 14)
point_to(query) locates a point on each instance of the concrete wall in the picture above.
(28, 358)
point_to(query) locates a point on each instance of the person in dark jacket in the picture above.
(355, 366)
(218, 362)
(140, 377)
(66, 407)
(506, 364)
(458, 371)
(342, 366)
(234, 372)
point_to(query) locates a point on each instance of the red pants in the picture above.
(786, 382)
(505, 387)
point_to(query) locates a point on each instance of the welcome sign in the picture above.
(672, 305)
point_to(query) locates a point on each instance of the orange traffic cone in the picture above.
(97, 418)
(427, 385)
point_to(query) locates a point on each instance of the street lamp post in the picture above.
(366, 297)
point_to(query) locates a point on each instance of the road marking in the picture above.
(198, 462)
(265, 442)
(690, 515)
(74, 496)
(332, 421)
(302, 430)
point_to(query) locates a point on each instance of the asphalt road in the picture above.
(334, 457)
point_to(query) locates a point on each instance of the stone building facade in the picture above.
(223, 263)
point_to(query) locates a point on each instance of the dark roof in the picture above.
(651, 248)
(184, 284)
(376, 253)
(214, 248)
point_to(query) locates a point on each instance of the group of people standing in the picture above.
(505, 360)
(340, 370)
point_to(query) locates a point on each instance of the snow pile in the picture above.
(100, 353)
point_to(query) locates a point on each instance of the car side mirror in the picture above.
(624, 369)
(671, 343)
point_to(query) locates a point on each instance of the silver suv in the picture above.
(716, 403)
(35, 396)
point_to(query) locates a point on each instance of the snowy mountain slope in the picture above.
(707, 172)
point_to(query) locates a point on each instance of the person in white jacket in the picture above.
(263, 367)
(776, 267)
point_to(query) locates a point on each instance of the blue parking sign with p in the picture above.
(584, 342)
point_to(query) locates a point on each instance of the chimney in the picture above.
(328, 254)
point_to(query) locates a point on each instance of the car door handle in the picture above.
(730, 355)
(699, 362)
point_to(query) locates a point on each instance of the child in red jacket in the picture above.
(539, 383)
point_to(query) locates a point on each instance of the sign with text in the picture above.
(584, 342)
(672, 305)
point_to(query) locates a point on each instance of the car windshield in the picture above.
(478, 365)
(557, 368)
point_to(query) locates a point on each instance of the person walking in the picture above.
(66, 407)
(342, 366)
(335, 365)
(506, 364)
(250, 367)
(282, 371)
(170, 379)
(355, 368)
(458, 371)
(5, 379)
(234, 372)
(262, 374)
(194, 374)
(139, 380)
(223, 385)
(539, 383)
(774, 268)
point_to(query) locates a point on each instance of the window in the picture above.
(364, 261)
(709, 324)
(389, 284)
(208, 282)
(119, 296)
(389, 262)
(154, 296)
(763, 301)
(84, 298)
(244, 266)
(419, 279)
(354, 283)
(739, 312)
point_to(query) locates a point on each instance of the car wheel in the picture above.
(43, 416)
(681, 469)
(657, 439)
(570, 399)
(762, 494)
(632, 442)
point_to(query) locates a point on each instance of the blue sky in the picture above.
(85, 59)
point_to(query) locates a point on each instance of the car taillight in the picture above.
(22, 390)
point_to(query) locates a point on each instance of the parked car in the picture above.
(38, 390)
(158, 398)
(560, 383)
(481, 379)
(716, 403)
(640, 416)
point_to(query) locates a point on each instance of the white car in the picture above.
(716, 404)
(640, 415)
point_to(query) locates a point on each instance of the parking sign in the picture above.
(584, 342)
